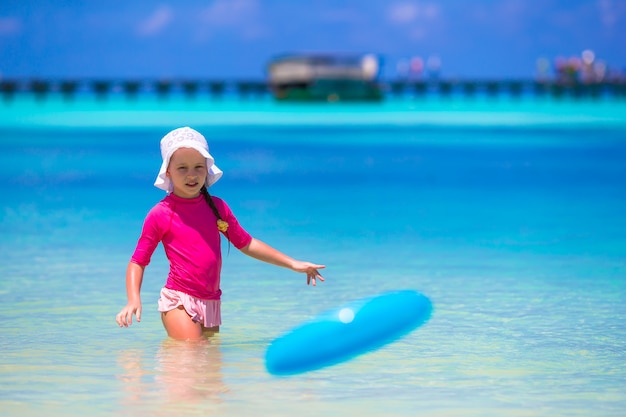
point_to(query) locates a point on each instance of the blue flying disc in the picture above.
(345, 332)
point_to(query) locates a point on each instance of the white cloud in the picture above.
(409, 12)
(10, 26)
(156, 22)
(231, 13)
(513, 15)
(609, 12)
(241, 17)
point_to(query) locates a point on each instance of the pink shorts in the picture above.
(206, 312)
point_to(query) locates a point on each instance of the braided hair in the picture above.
(207, 197)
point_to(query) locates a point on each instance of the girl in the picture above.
(188, 222)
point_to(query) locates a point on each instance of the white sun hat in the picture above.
(185, 137)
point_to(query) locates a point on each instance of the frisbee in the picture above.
(341, 334)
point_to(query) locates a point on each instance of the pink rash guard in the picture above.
(188, 229)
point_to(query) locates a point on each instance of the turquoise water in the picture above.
(508, 215)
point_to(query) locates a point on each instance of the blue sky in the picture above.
(232, 39)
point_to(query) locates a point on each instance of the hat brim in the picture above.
(213, 175)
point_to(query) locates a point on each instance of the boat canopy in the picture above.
(290, 69)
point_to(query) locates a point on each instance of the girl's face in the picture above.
(187, 171)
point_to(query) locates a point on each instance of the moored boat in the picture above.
(325, 77)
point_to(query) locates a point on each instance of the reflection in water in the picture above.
(190, 371)
(182, 373)
(133, 376)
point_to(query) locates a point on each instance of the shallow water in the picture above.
(507, 215)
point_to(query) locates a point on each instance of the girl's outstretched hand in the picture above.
(311, 271)
(264, 252)
(125, 317)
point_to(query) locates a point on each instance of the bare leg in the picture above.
(179, 325)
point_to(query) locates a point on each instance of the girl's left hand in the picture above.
(311, 271)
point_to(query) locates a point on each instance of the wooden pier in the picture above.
(102, 88)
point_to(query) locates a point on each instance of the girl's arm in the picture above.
(134, 277)
(263, 252)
